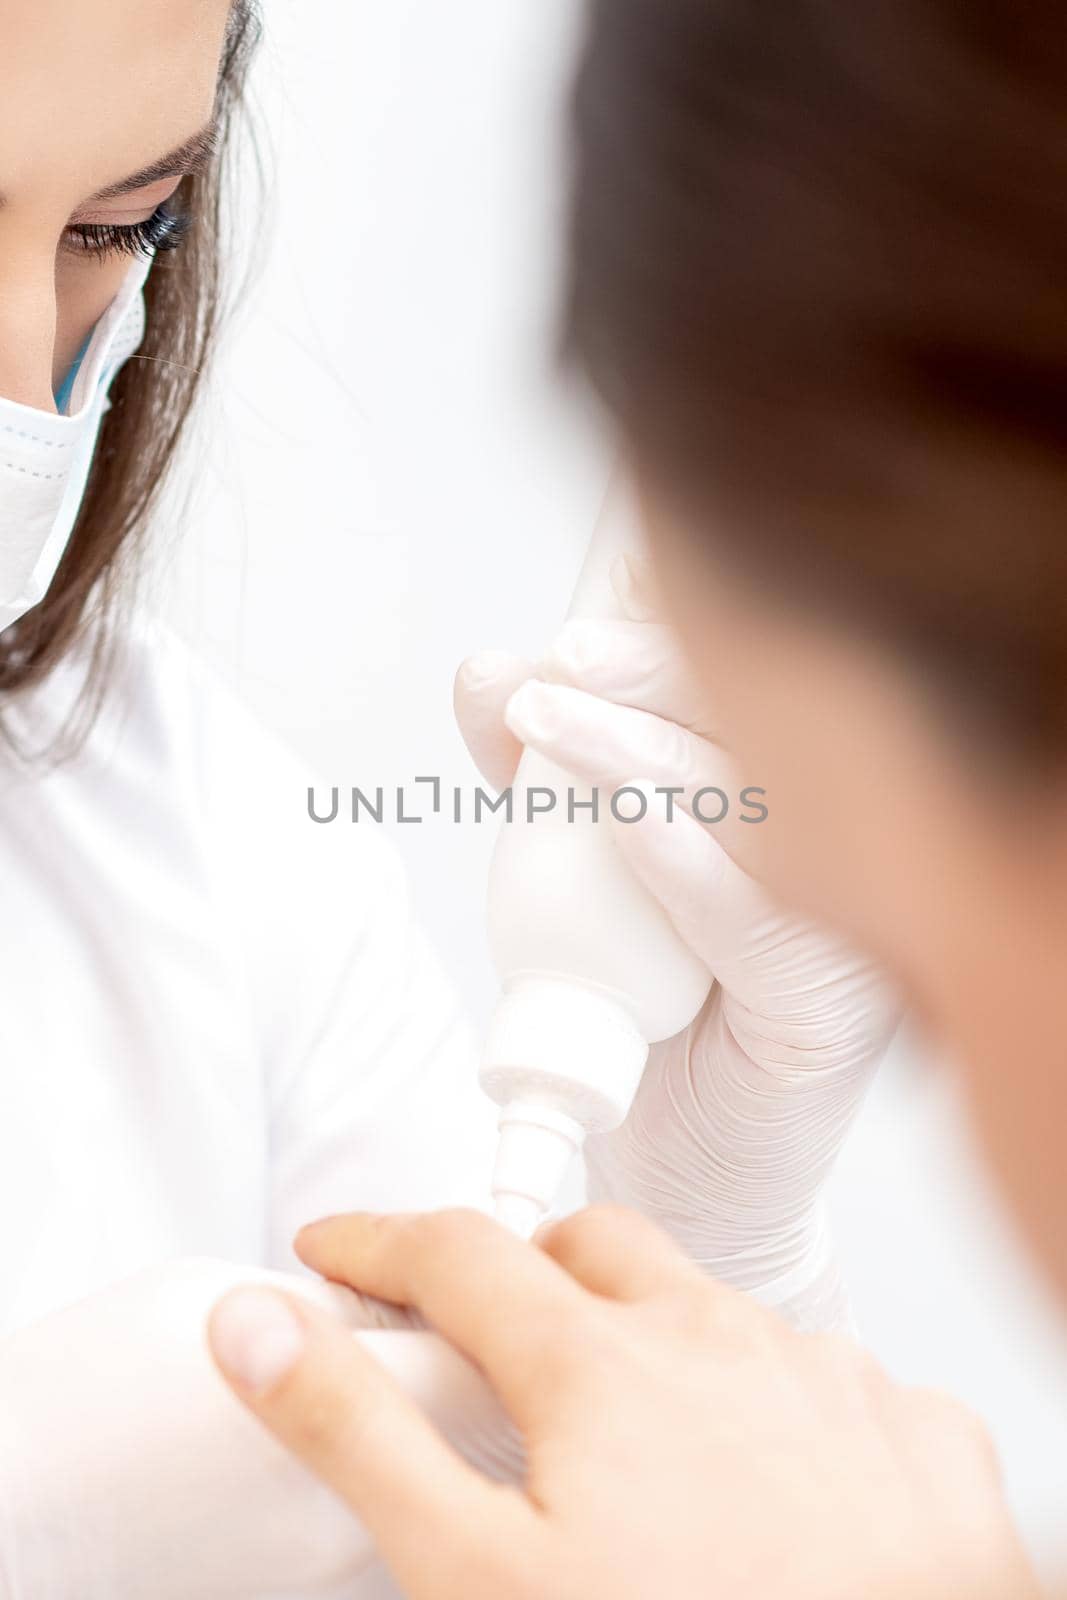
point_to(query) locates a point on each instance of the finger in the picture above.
(621, 1255)
(433, 1517)
(603, 744)
(769, 961)
(618, 1254)
(499, 1301)
(600, 741)
(629, 663)
(484, 685)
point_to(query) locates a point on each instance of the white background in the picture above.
(389, 477)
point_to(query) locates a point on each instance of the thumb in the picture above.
(434, 1518)
(484, 685)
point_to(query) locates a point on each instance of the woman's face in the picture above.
(948, 864)
(105, 105)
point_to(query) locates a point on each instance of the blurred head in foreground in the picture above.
(819, 279)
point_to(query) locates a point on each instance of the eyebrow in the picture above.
(190, 157)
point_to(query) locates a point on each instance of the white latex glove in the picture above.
(128, 1470)
(738, 1120)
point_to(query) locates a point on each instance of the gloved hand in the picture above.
(127, 1469)
(738, 1120)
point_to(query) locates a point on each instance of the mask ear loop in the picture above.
(116, 336)
(63, 394)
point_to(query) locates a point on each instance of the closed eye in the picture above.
(164, 230)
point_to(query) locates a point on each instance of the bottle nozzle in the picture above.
(537, 1145)
(519, 1214)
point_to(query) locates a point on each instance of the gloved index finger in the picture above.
(602, 745)
(628, 663)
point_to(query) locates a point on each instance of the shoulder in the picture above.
(177, 765)
(351, 1006)
(243, 784)
(276, 868)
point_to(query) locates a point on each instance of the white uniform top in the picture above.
(217, 1017)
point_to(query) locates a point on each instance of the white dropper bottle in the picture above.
(592, 969)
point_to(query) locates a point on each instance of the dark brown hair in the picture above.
(152, 399)
(819, 276)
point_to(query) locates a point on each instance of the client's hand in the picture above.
(682, 1440)
(738, 1119)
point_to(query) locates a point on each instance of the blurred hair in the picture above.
(151, 402)
(818, 274)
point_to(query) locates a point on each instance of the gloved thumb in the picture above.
(484, 685)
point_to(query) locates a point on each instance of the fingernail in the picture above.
(525, 713)
(257, 1338)
(311, 1228)
(485, 667)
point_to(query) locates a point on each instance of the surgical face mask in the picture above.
(45, 458)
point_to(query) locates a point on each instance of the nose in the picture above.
(28, 328)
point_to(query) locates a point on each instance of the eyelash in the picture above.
(164, 230)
